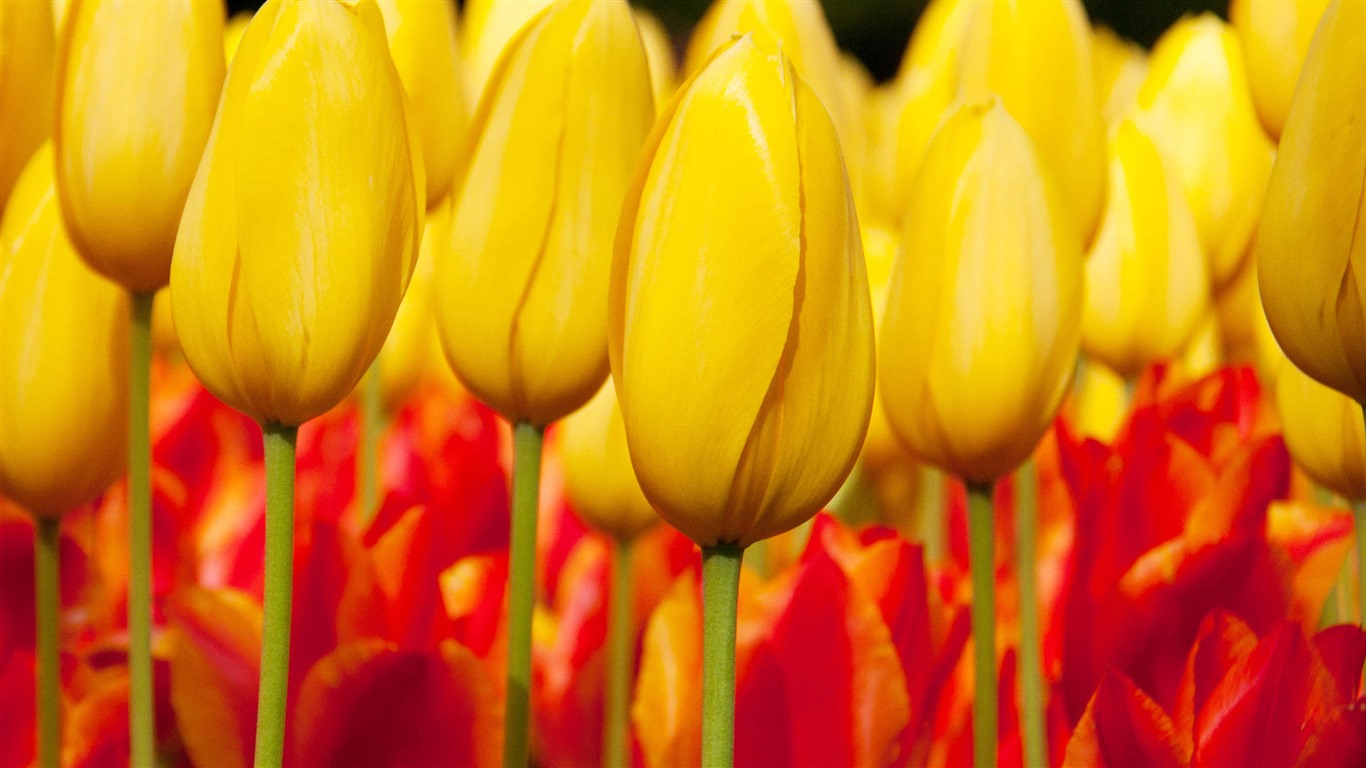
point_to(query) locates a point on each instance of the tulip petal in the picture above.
(1123, 726)
(214, 667)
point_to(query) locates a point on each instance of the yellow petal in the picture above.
(659, 50)
(1119, 67)
(63, 357)
(137, 86)
(1324, 432)
(489, 25)
(26, 53)
(598, 477)
(1276, 36)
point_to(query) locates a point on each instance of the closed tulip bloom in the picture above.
(1310, 255)
(63, 357)
(1196, 106)
(742, 332)
(232, 33)
(412, 354)
(522, 288)
(422, 42)
(881, 446)
(137, 86)
(1036, 56)
(1275, 36)
(304, 220)
(984, 317)
(26, 52)
(598, 477)
(1146, 281)
(1324, 432)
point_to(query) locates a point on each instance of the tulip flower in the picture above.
(982, 329)
(422, 43)
(1307, 247)
(63, 364)
(601, 484)
(1146, 278)
(136, 90)
(486, 29)
(1196, 107)
(522, 289)
(741, 329)
(26, 53)
(1036, 57)
(308, 198)
(659, 50)
(1275, 37)
(1118, 67)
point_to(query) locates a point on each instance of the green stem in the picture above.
(1360, 524)
(1031, 650)
(371, 425)
(620, 661)
(526, 480)
(48, 599)
(982, 554)
(720, 604)
(279, 595)
(141, 707)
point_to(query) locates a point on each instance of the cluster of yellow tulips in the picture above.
(692, 262)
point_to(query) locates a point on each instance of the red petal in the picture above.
(1123, 726)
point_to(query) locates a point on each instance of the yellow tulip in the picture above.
(1239, 306)
(1146, 279)
(522, 288)
(1036, 56)
(304, 219)
(411, 355)
(1196, 106)
(487, 28)
(1324, 432)
(881, 447)
(63, 357)
(598, 477)
(984, 316)
(659, 50)
(1119, 67)
(26, 52)
(1204, 352)
(137, 86)
(1275, 36)
(1310, 254)
(1100, 401)
(422, 42)
(741, 327)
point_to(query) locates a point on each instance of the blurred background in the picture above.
(876, 31)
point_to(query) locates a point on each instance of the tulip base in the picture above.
(982, 556)
(720, 607)
(526, 481)
(48, 604)
(620, 660)
(279, 594)
(1032, 730)
(141, 704)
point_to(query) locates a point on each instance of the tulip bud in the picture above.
(1146, 282)
(1195, 105)
(232, 33)
(983, 320)
(1309, 248)
(881, 446)
(304, 219)
(422, 42)
(1324, 432)
(1100, 401)
(659, 51)
(412, 352)
(26, 51)
(1036, 56)
(1275, 36)
(598, 477)
(63, 357)
(1119, 67)
(522, 288)
(741, 328)
(137, 86)
(488, 27)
